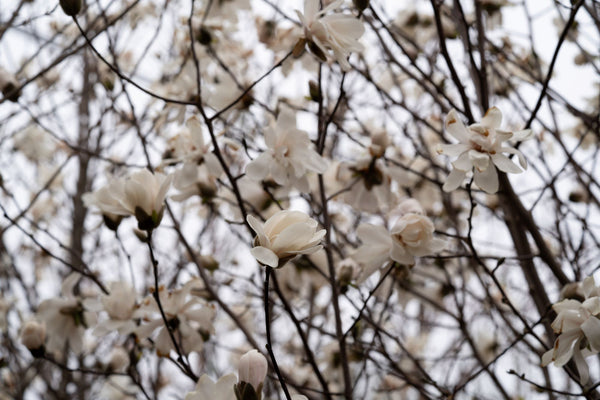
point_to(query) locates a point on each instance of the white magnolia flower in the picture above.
(119, 304)
(65, 318)
(141, 194)
(336, 32)
(283, 236)
(411, 236)
(578, 327)
(35, 144)
(188, 315)
(219, 390)
(481, 149)
(253, 369)
(290, 155)
(370, 184)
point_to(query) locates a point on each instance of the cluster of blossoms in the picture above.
(577, 325)
(183, 319)
(480, 149)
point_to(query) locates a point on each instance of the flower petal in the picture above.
(492, 118)
(591, 329)
(487, 180)
(455, 127)
(265, 256)
(504, 164)
(454, 180)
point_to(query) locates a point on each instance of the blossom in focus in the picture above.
(411, 236)
(480, 149)
(290, 155)
(336, 32)
(283, 236)
(253, 369)
(219, 390)
(578, 328)
(141, 194)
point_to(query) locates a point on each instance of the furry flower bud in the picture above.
(33, 336)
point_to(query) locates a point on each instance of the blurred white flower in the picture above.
(411, 236)
(336, 32)
(578, 327)
(141, 194)
(219, 390)
(368, 183)
(119, 304)
(283, 236)
(253, 369)
(189, 317)
(290, 155)
(65, 318)
(480, 148)
(35, 144)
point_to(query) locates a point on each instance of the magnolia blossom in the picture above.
(578, 327)
(65, 318)
(337, 32)
(253, 369)
(188, 316)
(219, 390)
(290, 155)
(481, 149)
(411, 236)
(283, 236)
(119, 304)
(141, 194)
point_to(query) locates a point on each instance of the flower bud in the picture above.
(33, 336)
(253, 369)
(71, 7)
(119, 360)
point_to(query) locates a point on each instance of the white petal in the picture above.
(492, 118)
(294, 237)
(591, 329)
(453, 150)
(455, 127)
(522, 135)
(463, 162)
(369, 233)
(487, 180)
(480, 160)
(399, 254)
(454, 180)
(259, 168)
(582, 367)
(504, 164)
(265, 256)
